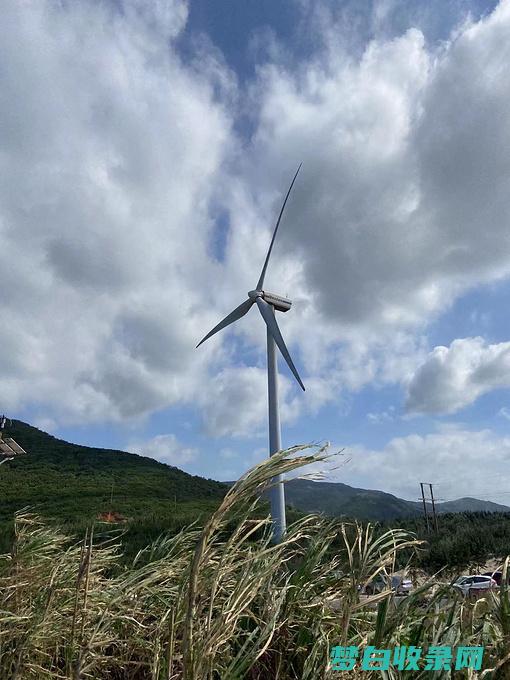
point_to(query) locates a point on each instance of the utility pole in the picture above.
(425, 513)
(433, 508)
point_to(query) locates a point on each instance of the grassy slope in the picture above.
(72, 484)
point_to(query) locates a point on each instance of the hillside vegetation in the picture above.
(73, 484)
(463, 539)
(336, 499)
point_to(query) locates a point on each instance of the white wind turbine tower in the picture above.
(268, 303)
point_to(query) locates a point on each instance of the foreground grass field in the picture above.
(223, 602)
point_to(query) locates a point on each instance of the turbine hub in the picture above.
(253, 294)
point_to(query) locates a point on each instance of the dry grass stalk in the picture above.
(227, 604)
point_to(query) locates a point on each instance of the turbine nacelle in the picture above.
(277, 301)
(280, 303)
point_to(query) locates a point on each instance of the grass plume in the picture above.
(224, 602)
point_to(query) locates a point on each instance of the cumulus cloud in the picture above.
(405, 168)
(235, 403)
(104, 177)
(117, 158)
(453, 377)
(402, 203)
(167, 449)
(447, 458)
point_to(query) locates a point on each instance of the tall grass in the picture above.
(224, 601)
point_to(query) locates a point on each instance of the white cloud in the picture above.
(402, 203)
(235, 402)
(386, 416)
(504, 412)
(116, 158)
(166, 448)
(387, 183)
(104, 179)
(453, 377)
(453, 459)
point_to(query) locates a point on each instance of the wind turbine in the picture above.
(268, 304)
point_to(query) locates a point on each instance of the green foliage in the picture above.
(337, 500)
(462, 539)
(73, 484)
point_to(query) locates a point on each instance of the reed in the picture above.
(223, 602)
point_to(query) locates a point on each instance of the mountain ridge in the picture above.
(77, 483)
(338, 498)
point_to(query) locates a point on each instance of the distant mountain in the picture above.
(470, 505)
(336, 499)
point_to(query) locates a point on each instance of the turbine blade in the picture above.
(263, 273)
(269, 318)
(233, 316)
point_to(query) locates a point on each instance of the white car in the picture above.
(474, 584)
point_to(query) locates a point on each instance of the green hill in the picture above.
(470, 505)
(336, 499)
(73, 484)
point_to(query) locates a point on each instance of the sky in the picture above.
(145, 148)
